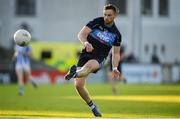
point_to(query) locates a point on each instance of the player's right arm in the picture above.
(14, 55)
(82, 36)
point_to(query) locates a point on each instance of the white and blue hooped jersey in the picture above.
(22, 57)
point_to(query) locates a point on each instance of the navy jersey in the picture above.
(102, 37)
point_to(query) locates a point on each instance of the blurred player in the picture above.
(113, 80)
(97, 37)
(22, 66)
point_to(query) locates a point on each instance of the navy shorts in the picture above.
(85, 57)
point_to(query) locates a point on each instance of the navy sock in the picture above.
(91, 104)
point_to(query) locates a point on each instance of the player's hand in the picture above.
(115, 73)
(88, 47)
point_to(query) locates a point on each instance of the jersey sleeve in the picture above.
(118, 40)
(28, 49)
(93, 23)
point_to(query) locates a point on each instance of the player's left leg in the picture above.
(81, 89)
(80, 75)
(83, 92)
(80, 80)
(28, 75)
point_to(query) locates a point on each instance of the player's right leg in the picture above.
(90, 66)
(19, 73)
(71, 73)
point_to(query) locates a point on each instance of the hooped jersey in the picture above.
(102, 37)
(22, 57)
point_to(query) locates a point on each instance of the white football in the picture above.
(22, 37)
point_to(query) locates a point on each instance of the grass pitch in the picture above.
(59, 101)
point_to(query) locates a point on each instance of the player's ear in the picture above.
(115, 14)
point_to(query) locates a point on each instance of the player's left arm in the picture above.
(29, 52)
(115, 61)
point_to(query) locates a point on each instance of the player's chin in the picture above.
(106, 22)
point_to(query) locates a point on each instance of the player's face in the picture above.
(109, 16)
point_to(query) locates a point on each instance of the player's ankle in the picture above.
(91, 104)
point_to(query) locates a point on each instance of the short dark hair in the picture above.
(112, 7)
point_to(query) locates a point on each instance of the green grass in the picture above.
(62, 101)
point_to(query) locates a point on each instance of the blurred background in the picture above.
(150, 33)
